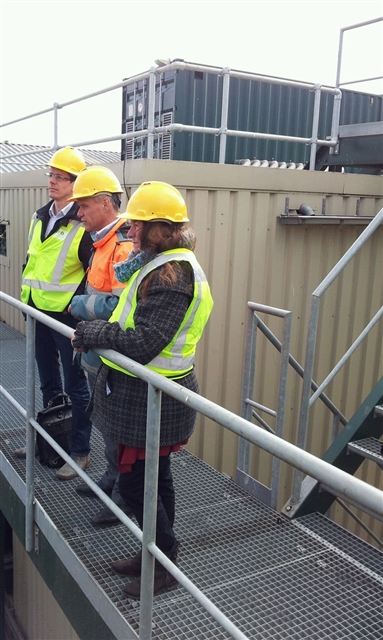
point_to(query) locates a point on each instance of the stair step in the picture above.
(370, 448)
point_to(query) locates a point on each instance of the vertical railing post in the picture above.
(153, 423)
(306, 391)
(224, 114)
(337, 97)
(335, 121)
(243, 456)
(30, 435)
(315, 127)
(281, 405)
(151, 107)
(56, 107)
(339, 63)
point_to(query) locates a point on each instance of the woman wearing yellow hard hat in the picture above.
(158, 322)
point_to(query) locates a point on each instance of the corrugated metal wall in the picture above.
(248, 255)
(16, 206)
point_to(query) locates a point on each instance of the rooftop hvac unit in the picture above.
(188, 97)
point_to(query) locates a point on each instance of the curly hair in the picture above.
(159, 236)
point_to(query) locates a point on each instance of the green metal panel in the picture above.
(198, 101)
(269, 108)
(360, 107)
(194, 98)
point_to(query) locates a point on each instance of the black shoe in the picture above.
(86, 492)
(105, 518)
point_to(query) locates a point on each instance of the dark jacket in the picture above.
(121, 413)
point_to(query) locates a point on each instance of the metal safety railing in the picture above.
(338, 83)
(341, 484)
(222, 131)
(269, 495)
(307, 399)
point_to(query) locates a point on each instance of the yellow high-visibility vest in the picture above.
(53, 271)
(177, 359)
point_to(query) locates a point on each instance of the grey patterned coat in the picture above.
(121, 415)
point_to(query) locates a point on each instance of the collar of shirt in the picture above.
(98, 235)
(53, 217)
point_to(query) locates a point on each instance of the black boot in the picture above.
(129, 567)
(163, 580)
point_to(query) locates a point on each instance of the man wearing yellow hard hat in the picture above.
(97, 192)
(57, 259)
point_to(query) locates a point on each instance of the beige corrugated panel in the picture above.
(17, 204)
(38, 614)
(248, 255)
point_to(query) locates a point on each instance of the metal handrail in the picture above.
(311, 341)
(348, 487)
(347, 355)
(340, 52)
(253, 323)
(221, 131)
(243, 457)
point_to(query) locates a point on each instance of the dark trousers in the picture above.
(50, 346)
(109, 480)
(132, 490)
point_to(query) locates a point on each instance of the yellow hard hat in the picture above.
(68, 159)
(155, 201)
(94, 180)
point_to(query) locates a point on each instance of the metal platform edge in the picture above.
(106, 612)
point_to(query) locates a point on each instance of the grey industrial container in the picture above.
(195, 97)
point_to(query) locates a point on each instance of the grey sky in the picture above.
(56, 51)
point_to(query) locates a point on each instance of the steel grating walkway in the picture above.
(275, 579)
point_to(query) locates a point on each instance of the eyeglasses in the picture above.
(57, 176)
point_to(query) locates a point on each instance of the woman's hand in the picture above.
(77, 338)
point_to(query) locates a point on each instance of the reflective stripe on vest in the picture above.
(53, 266)
(34, 222)
(177, 359)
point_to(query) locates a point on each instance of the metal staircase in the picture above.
(358, 440)
(369, 447)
